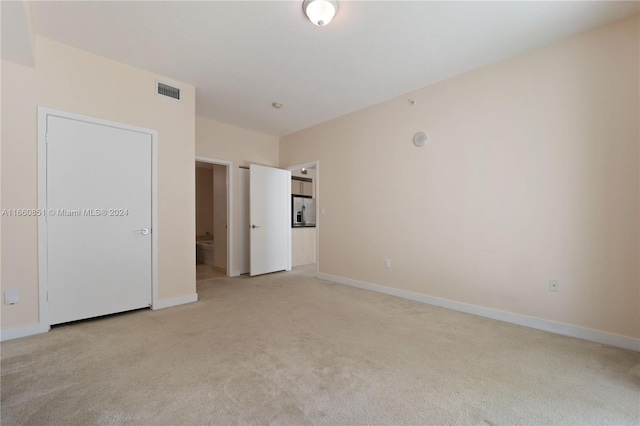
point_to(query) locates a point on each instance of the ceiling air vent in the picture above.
(168, 91)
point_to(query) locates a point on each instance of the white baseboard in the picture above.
(540, 324)
(167, 303)
(27, 330)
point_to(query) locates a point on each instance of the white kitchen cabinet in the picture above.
(301, 187)
(303, 246)
(307, 188)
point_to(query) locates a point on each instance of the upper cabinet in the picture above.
(307, 188)
(301, 187)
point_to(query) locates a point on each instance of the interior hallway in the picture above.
(288, 348)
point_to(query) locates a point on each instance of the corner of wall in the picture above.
(18, 41)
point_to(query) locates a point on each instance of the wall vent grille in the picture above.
(168, 91)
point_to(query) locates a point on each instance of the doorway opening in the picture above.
(212, 239)
(305, 192)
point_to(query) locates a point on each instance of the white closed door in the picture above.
(99, 219)
(270, 219)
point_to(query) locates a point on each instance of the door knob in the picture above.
(254, 226)
(143, 231)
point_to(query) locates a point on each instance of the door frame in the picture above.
(315, 164)
(43, 285)
(229, 164)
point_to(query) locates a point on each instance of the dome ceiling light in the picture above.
(320, 12)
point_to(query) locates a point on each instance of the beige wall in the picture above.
(530, 173)
(204, 201)
(72, 80)
(242, 147)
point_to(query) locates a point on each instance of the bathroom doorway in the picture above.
(212, 213)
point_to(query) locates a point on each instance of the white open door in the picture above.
(270, 217)
(99, 223)
(245, 222)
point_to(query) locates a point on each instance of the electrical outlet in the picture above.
(11, 297)
(554, 285)
(387, 263)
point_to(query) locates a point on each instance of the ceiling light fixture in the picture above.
(320, 12)
(276, 105)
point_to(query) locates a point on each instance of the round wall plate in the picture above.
(419, 139)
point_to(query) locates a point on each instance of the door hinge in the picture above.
(46, 138)
(47, 295)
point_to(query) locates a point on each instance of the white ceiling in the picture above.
(241, 56)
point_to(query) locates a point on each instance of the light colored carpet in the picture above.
(291, 349)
